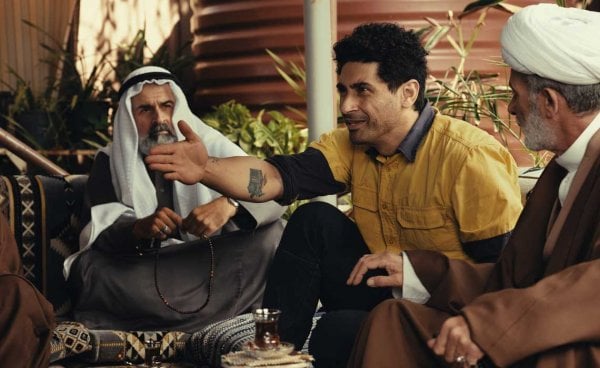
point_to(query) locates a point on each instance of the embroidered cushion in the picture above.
(111, 346)
(43, 213)
(68, 339)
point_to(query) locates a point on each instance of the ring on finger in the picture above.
(164, 229)
(461, 359)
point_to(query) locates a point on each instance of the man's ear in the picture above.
(409, 92)
(550, 101)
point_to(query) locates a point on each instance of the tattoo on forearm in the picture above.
(257, 181)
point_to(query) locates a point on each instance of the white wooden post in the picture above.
(319, 30)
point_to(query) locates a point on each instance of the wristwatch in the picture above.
(234, 203)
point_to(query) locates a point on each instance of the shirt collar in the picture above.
(571, 158)
(410, 144)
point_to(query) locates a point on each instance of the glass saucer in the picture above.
(284, 348)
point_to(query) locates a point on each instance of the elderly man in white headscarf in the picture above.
(163, 255)
(538, 306)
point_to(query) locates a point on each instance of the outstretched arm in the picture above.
(246, 178)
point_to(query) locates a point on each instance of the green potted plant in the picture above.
(70, 110)
(72, 113)
(133, 55)
(266, 134)
(470, 95)
(29, 113)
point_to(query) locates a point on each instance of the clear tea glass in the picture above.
(152, 354)
(266, 323)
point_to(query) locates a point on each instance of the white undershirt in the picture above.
(572, 157)
(412, 289)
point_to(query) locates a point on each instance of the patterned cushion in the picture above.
(207, 345)
(69, 338)
(110, 346)
(43, 212)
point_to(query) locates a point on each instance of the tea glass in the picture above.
(266, 323)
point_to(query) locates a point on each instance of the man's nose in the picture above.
(511, 107)
(347, 104)
(161, 116)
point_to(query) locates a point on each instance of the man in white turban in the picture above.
(158, 255)
(538, 306)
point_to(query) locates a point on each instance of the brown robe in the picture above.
(26, 317)
(539, 306)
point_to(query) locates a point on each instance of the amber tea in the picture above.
(266, 325)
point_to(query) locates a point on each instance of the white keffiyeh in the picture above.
(562, 44)
(132, 184)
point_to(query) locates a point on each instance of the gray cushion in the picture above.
(206, 346)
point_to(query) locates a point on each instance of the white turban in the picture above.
(562, 44)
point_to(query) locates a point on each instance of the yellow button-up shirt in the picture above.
(461, 187)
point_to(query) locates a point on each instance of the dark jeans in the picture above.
(332, 339)
(318, 250)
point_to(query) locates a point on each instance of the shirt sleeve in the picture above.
(486, 197)
(305, 175)
(486, 250)
(251, 216)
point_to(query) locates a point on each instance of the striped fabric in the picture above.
(43, 212)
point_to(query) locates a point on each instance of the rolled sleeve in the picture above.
(305, 175)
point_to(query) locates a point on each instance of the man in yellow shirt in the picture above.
(537, 306)
(419, 180)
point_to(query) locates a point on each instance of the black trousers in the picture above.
(319, 247)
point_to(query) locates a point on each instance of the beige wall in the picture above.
(103, 26)
(20, 45)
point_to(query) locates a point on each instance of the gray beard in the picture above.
(154, 138)
(538, 135)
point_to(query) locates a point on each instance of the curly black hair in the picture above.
(398, 51)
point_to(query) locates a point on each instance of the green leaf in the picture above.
(455, 45)
(437, 34)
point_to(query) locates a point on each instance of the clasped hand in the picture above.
(158, 225)
(454, 343)
(202, 221)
